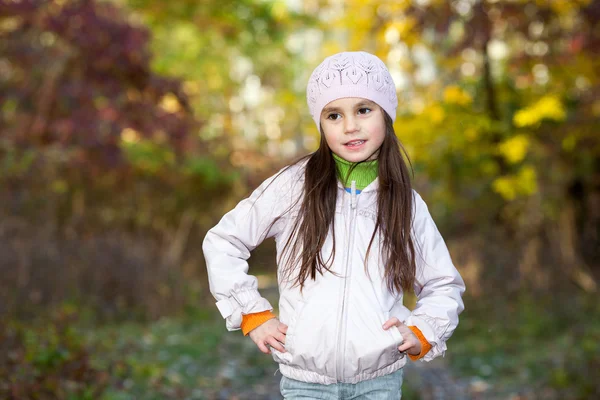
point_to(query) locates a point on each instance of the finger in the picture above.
(282, 328)
(391, 322)
(262, 347)
(407, 345)
(280, 337)
(275, 344)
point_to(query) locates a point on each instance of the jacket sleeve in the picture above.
(227, 247)
(438, 285)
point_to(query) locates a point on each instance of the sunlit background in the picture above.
(128, 127)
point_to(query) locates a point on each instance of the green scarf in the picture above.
(363, 174)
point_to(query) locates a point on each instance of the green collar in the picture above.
(363, 173)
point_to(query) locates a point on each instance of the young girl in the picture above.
(352, 235)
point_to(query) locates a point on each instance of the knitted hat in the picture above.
(351, 74)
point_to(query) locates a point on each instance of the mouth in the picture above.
(354, 143)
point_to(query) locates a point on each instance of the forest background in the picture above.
(128, 127)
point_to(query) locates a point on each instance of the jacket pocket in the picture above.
(286, 358)
(398, 339)
(369, 347)
(312, 341)
(392, 338)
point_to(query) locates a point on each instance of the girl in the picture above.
(352, 235)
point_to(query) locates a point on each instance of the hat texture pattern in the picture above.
(351, 74)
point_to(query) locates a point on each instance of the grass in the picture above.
(550, 345)
(544, 346)
(188, 357)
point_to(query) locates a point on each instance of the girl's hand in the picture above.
(270, 333)
(411, 344)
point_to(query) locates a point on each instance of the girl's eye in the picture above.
(364, 110)
(333, 116)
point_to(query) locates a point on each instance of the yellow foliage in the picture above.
(362, 29)
(169, 103)
(505, 187)
(436, 114)
(596, 108)
(129, 135)
(515, 148)
(191, 88)
(527, 180)
(213, 72)
(331, 47)
(522, 184)
(60, 186)
(568, 143)
(489, 168)
(471, 134)
(548, 107)
(404, 28)
(279, 10)
(455, 95)
(562, 6)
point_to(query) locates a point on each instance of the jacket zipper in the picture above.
(341, 344)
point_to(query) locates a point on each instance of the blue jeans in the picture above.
(387, 387)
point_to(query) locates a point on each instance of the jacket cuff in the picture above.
(251, 321)
(429, 328)
(241, 303)
(425, 345)
(238, 301)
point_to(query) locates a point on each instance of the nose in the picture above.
(350, 124)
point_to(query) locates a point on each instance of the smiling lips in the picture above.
(354, 143)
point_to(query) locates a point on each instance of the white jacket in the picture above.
(335, 329)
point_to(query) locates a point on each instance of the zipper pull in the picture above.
(353, 192)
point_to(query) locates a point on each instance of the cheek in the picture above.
(379, 133)
(329, 137)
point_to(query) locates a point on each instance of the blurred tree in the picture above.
(499, 111)
(532, 66)
(77, 74)
(235, 58)
(95, 141)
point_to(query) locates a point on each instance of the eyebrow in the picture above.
(365, 103)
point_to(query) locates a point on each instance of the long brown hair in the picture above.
(317, 211)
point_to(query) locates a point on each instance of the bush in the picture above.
(50, 360)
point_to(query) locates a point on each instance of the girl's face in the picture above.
(354, 128)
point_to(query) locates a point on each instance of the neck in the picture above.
(362, 173)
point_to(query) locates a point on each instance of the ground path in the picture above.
(424, 381)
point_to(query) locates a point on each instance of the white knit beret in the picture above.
(351, 74)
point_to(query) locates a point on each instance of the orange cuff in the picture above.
(251, 321)
(425, 345)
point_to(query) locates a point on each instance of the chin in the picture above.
(356, 158)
